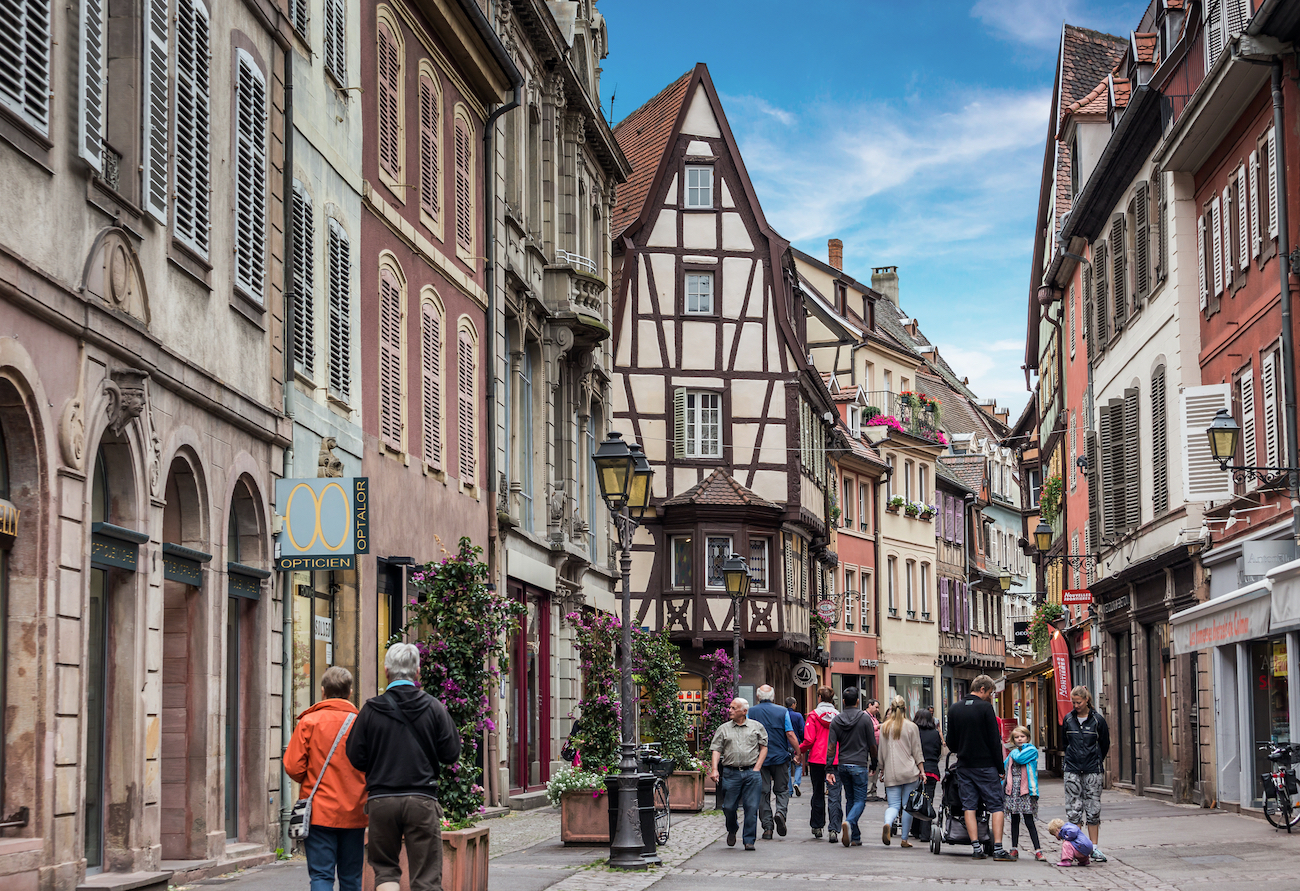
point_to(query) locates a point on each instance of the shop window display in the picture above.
(1271, 700)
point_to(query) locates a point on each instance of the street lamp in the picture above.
(624, 475)
(1043, 537)
(1043, 541)
(735, 574)
(1224, 434)
(1004, 581)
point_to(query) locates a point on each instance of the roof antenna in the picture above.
(611, 104)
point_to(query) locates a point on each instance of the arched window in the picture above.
(431, 382)
(390, 100)
(464, 188)
(430, 146)
(390, 357)
(467, 447)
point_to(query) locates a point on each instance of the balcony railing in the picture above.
(577, 261)
(910, 416)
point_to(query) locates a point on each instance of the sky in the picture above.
(913, 130)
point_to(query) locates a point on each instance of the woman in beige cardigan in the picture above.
(902, 765)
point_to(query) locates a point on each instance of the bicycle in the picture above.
(662, 768)
(1281, 789)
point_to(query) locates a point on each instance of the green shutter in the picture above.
(679, 423)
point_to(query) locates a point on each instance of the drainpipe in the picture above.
(1284, 268)
(286, 596)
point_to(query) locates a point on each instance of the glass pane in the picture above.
(719, 549)
(233, 685)
(682, 561)
(96, 714)
(1272, 712)
(1162, 764)
(1124, 739)
(758, 565)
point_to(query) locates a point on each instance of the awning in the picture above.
(1285, 581)
(1240, 615)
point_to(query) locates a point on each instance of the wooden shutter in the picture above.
(464, 188)
(1132, 462)
(298, 17)
(1272, 428)
(1159, 443)
(1111, 512)
(1200, 261)
(1100, 298)
(1162, 225)
(1118, 270)
(1216, 215)
(336, 40)
(340, 297)
(1089, 312)
(90, 82)
(428, 147)
(1213, 32)
(1243, 224)
(390, 68)
(1225, 224)
(1202, 478)
(25, 60)
(390, 359)
(1249, 449)
(431, 383)
(466, 429)
(1094, 493)
(1255, 238)
(679, 423)
(1272, 183)
(1142, 243)
(154, 149)
(191, 221)
(943, 604)
(959, 520)
(304, 313)
(1236, 17)
(250, 178)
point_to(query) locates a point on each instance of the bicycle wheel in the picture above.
(663, 816)
(1280, 813)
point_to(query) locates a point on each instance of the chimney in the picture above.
(835, 248)
(885, 280)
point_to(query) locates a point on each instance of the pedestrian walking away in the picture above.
(932, 749)
(782, 745)
(316, 759)
(401, 739)
(902, 766)
(974, 735)
(739, 747)
(1076, 848)
(852, 735)
(796, 763)
(873, 709)
(1087, 740)
(1021, 787)
(815, 736)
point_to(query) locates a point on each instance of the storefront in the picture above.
(916, 690)
(1026, 698)
(854, 660)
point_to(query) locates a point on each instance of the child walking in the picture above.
(1076, 847)
(1022, 790)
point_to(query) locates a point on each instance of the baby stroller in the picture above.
(949, 826)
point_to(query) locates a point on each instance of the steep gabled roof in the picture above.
(1087, 56)
(1144, 46)
(720, 490)
(643, 135)
(968, 469)
(1093, 103)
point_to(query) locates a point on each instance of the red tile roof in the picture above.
(1120, 90)
(1093, 103)
(967, 469)
(1146, 46)
(643, 136)
(720, 489)
(1087, 56)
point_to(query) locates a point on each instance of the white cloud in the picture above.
(1037, 23)
(994, 371)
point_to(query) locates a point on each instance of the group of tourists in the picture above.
(758, 756)
(374, 769)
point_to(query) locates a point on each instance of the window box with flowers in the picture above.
(895, 504)
(912, 508)
(927, 511)
(1049, 504)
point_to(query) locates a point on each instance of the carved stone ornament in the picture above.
(556, 89)
(327, 463)
(112, 273)
(150, 436)
(72, 423)
(575, 128)
(126, 397)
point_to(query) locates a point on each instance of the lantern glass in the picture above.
(735, 573)
(1224, 434)
(1004, 581)
(642, 475)
(614, 466)
(1043, 536)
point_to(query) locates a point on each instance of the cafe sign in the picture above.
(326, 522)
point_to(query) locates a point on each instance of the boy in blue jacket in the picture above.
(1076, 847)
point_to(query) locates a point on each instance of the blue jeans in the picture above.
(855, 779)
(739, 789)
(897, 797)
(796, 774)
(331, 849)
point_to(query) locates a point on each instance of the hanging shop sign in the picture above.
(1061, 675)
(1020, 630)
(1075, 596)
(826, 609)
(326, 522)
(804, 674)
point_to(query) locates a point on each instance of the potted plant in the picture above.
(595, 736)
(717, 705)
(928, 511)
(1049, 502)
(584, 809)
(894, 504)
(657, 664)
(912, 508)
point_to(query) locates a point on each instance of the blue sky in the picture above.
(914, 131)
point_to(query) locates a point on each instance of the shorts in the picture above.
(1083, 798)
(980, 785)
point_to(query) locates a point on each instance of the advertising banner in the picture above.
(1061, 675)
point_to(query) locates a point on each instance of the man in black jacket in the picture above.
(853, 734)
(974, 735)
(1087, 740)
(400, 740)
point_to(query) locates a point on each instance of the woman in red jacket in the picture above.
(814, 747)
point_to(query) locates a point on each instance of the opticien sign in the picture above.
(326, 522)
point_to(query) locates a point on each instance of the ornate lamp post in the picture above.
(735, 572)
(624, 475)
(1004, 581)
(1043, 541)
(1224, 434)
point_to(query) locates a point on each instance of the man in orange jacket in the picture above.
(336, 841)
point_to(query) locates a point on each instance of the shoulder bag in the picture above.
(300, 819)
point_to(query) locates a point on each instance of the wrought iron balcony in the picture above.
(913, 414)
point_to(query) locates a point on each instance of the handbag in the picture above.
(300, 818)
(918, 805)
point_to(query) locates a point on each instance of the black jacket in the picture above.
(855, 734)
(932, 749)
(1086, 742)
(400, 740)
(974, 735)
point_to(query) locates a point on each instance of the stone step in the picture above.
(127, 881)
(526, 801)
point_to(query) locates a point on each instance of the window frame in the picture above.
(709, 540)
(762, 581)
(694, 421)
(687, 188)
(699, 276)
(683, 545)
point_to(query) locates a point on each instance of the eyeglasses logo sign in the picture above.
(326, 522)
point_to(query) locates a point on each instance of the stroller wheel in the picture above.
(934, 843)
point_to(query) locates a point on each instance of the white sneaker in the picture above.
(1098, 856)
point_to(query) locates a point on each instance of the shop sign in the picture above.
(1075, 596)
(1242, 621)
(868, 663)
(8, 522)
(326, 523)
(1061, 675)
(805, 674)
(1258, 557)
(826, 609)
(1114, 605)
(1020, 631)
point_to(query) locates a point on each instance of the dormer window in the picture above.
(1075, 164)
(855, 420)
(699, 187)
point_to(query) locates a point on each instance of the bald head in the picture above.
(765, 693)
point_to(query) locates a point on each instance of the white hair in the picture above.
(765, 694)
(743, 702)
(402, 663)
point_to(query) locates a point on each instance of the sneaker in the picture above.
(977, 852)
(780, 825)
(749, 847)
(844, 833)
(1038, 855)
(767, 835)
(856, 844)
(817, 833)
(731, 839)
(1065, 863)
(884, 834)
(835, 837)
(1003, 855)
(798, 793)
(905, 844)
(1098, 856)
(1015, 852)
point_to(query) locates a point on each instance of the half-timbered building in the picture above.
(711, 376)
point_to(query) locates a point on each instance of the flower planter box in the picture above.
(686, 791)
(464, 862)
(892, 510)
(584, 818)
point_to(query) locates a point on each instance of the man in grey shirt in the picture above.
(739, 747)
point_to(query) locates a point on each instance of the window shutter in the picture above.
(1088, 312)
(90, 76)
(250, 182)
(1249, 449)
(1159, 443)
(1235, 21)
(1132, 462)
(340, 311)
(1100, 297)
(1200, 260)
(430, 383)
(25, 60)
(1272, 183)
(1109, 436)
(943, 604)
(1269, 387)
(958, 520)
(1216, 215)
(390, 360)
(428, 148)
(679, 423)
(1202, 478)
(464, 188)
(1118, 267)
(1243, 227)
(390, 67)
(1213, 32)
(466, 400)
(336, 43)
(193, 195)
(1162, 225)
(304, 314)
(298, 17)
(1142, 242)
(950, 527)
(153, 153)
(1255, 238)
(1094, 494)
(1225, 224)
